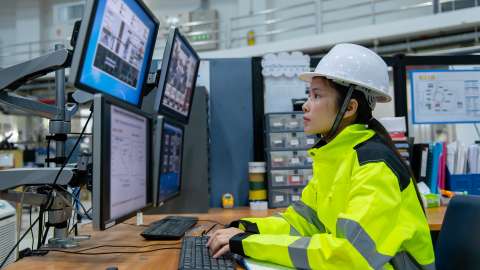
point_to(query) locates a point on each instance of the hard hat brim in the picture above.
(379, 96)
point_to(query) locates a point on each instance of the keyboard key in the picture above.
(195, 255)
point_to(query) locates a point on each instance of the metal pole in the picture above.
(436, 6)
(60, 98)
(60, 145)
(60, 212)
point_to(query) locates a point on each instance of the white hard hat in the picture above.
(351, 64)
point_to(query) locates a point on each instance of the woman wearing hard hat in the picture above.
(361, 209)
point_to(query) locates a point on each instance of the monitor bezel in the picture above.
(80, 50)
(173, 195)
(156, 149)
(167, 54)
(101, 183)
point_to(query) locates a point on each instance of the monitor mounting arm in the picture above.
(11, 78)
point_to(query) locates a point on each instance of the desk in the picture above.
(124, 234)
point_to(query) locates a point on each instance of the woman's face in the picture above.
(320, 109)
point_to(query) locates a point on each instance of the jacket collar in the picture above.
(342, 143)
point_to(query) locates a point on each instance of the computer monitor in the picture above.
(178, 76)
(168, 155)
(114, 48)
(121, 161)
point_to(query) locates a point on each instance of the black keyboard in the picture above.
(169, 228)
(195, 255)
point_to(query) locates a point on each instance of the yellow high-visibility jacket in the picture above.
(359, 211)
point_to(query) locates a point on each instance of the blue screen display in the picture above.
(171, 161)
(119, 43)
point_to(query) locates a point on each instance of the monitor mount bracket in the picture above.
(60, 206)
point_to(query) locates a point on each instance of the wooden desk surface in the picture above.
(125, 234)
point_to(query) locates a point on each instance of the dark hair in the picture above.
(364, 116)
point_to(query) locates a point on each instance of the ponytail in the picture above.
(364, 116)
(380, 130)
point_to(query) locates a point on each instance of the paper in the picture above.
(310, 141)
(443, 96)
(423, 188)
(295, 179)
(461, 159)
(252, 264)
(423, 168)
(473, 151)
(294, 142)
(451, 156)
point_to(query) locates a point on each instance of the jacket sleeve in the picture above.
(299, 219)
(359, 240)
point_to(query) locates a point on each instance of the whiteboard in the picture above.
(445, 96)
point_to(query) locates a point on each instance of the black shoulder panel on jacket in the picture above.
(374, 150)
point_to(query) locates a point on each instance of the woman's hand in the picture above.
(218, 241)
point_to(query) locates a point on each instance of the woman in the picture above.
(361, 209)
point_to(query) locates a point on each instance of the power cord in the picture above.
(211, 228)
(50, 194)
(127, 246)
(30, 219)
(112, 252)
(65, 162)
(212, 221)
(76, 200)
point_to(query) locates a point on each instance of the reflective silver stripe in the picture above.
(308, 214)
(358, 237)
(293, 231)
(404, 261)
(429, 266)
(277, 214)
(298, 253)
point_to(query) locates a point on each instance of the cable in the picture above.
(45, 234)
(142, 225)
(18, 242)
(127, 246)
(75, 225)
(69, 156)
(212, 221)
(205, 233)
(76, 133)
(113, 252)
(30, 218)
(48, 151)
(476, 128)
(76, 200)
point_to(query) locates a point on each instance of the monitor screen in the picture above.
(128, 162)
(171, 161)
(114, 49)
(121, 161)
(180, 63)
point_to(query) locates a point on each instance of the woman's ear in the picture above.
(351, 108)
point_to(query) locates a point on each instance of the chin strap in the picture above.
(340, 114)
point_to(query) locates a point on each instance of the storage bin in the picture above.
(288, 178)
(284, 121)
(464, 182)
(283, 197)
(291, 159)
